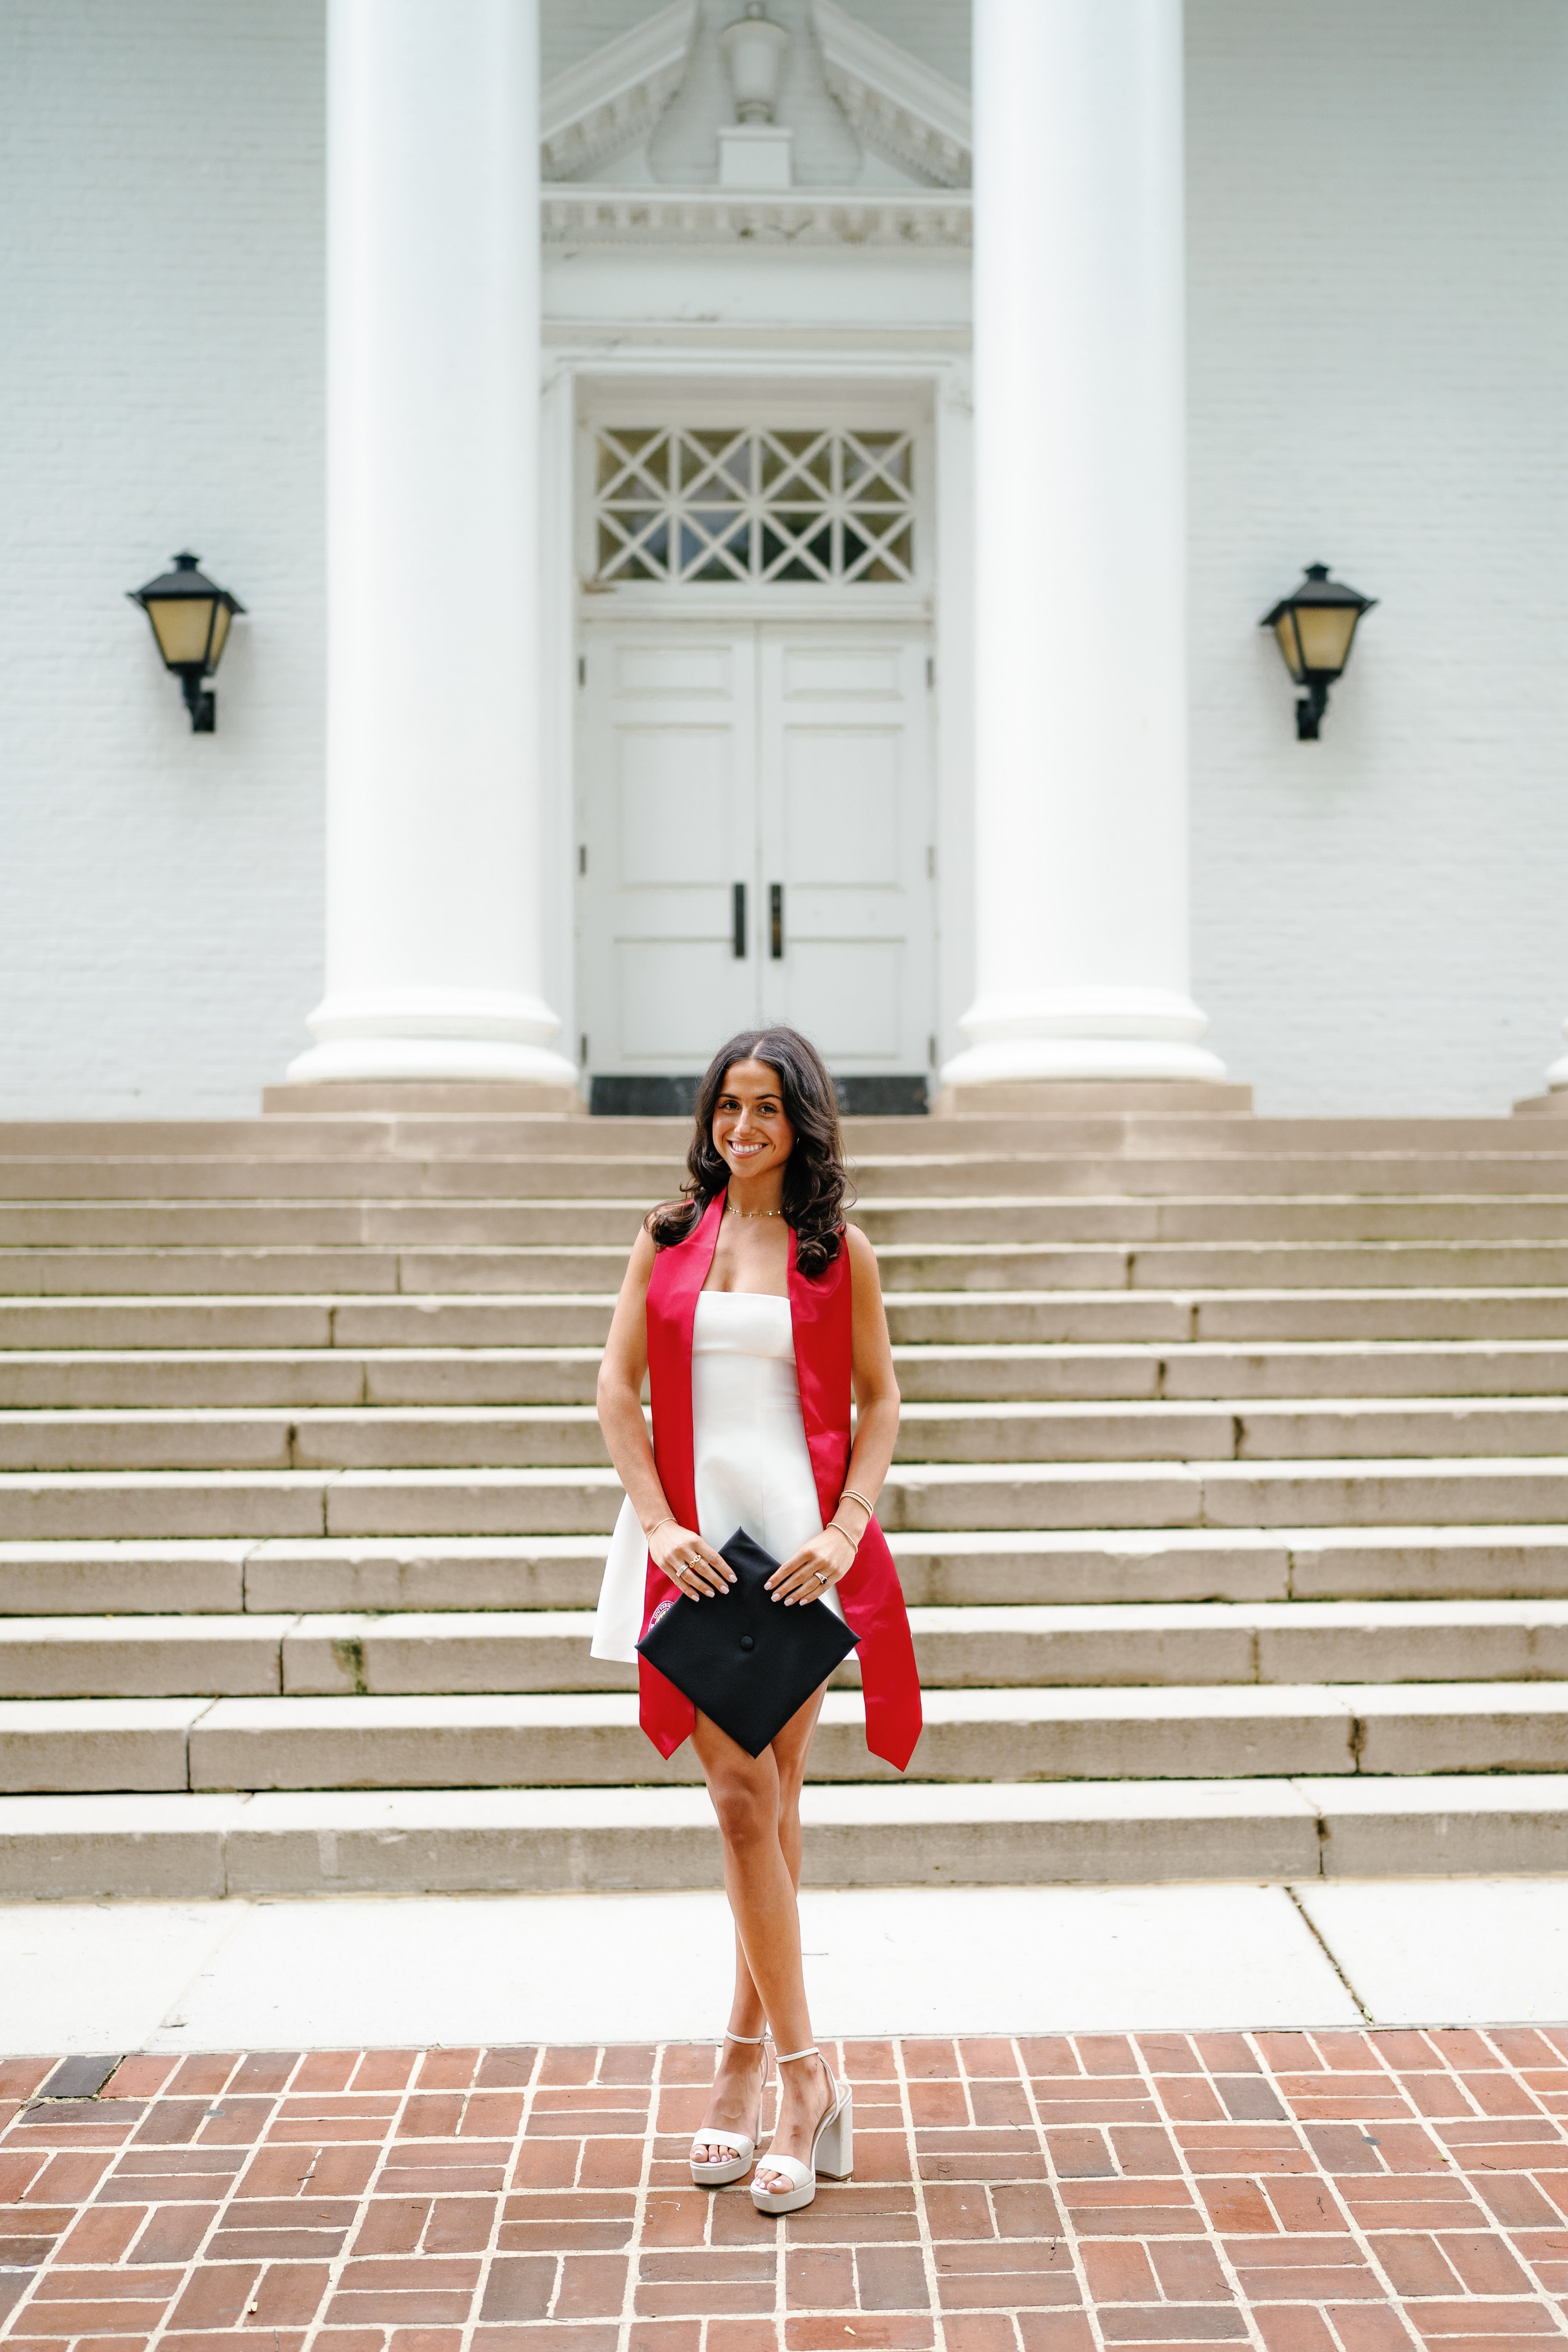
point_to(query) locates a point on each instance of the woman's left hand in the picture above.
(808, 1572)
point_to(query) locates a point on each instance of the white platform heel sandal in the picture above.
(832, 2149)
(719, 2176)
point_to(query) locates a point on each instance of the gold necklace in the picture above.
(734, 1212)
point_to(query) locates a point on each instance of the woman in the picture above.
(754, 1309)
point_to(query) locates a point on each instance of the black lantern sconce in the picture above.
(1315, 628)
(190, 616)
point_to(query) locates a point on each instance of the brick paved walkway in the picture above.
(1298, 2191)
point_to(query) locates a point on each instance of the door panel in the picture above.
(758, 754)
(844, 802)
(668, 827)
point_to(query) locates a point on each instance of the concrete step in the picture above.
(956, 1319)
(559, 1739)
(1215, 1643)
(985, 1436)
(168, 1505)
(288, 1379)
(983, 1267)
(332, 1842)
(960, 1570)
(105, 1177)
(496, 1221)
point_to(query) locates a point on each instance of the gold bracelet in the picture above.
(649, 1533)
(850, 1495)
(854, 1542)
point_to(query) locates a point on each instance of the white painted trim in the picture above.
(914, 221)
(905, 111)
(610, 100)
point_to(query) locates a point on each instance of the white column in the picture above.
(433, 885)
(1080, 553)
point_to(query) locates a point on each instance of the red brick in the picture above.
(326, 2070)
(136, 2078)
(1484, 2262)
(289, 2295)
(266, 2069)
(203, 2077)
(1497, 2094)
(867, 2332)
(677, 2335)
(1239, 2205)
(20, 2077)
(103, 2235)
(930, 2061)
(1055, 2331)
(891, 2278)
(1190, 2099)
(1118, 2273)
(1305, 2203)
(1106, 2053)
(1080, 2155)
(216, 2296)
(1049, 2054)
(1169, 2053)
(1170, 2324)
(981, 2331)
(819, 2278)
(519, 2287)
(1294, 2327)
(1026, 2211)
(1227, 2054)
(958, 2213)
(1285, 2053)
(999, 2102)
(723, 2336)
(584, 2335)
(1347, 2050)
(655, 2302)
(1188, 2270)
(1442, 2320)
(175, 2232)
(385, 2070)
(1516, 2199)
(1369, 2327)
(593, 2286)
(1414, 2264)
(934, 2103)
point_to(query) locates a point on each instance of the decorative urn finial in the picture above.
(754, 51)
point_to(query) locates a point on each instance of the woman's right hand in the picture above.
(692, 1565)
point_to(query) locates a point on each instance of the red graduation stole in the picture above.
(871, 1594)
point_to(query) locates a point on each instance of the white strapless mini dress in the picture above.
(749, 1443)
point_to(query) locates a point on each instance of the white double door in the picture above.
(755, 842)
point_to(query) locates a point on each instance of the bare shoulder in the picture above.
(862, 1257)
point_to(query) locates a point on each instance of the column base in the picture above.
(1095, 1098)
(435, 1037)
(421, 1098)
(1083, 1034)
(1548, 1106)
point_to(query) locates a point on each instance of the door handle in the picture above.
(775, 922)
(738, 936)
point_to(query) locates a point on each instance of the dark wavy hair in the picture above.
(816, 1187)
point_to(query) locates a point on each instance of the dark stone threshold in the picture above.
(897, 1096)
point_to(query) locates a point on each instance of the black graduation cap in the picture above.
(744, 1659)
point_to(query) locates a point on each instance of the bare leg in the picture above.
(757, 1801)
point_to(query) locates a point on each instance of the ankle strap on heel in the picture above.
(785, 2055)
(752, 2040)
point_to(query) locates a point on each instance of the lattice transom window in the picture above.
(729, 505)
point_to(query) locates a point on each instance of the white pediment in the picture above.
(610, 101)
(902, 109)
(597, 117)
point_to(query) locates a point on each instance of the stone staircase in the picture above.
(1231, 1505)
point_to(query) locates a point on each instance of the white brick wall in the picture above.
(1378, 217)
(160, 388)
(1379, 339)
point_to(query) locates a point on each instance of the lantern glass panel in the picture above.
(1326, 633)
(1285, 630)
(181, 626)
(221, 619)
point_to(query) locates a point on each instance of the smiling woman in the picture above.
(754, 1310)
